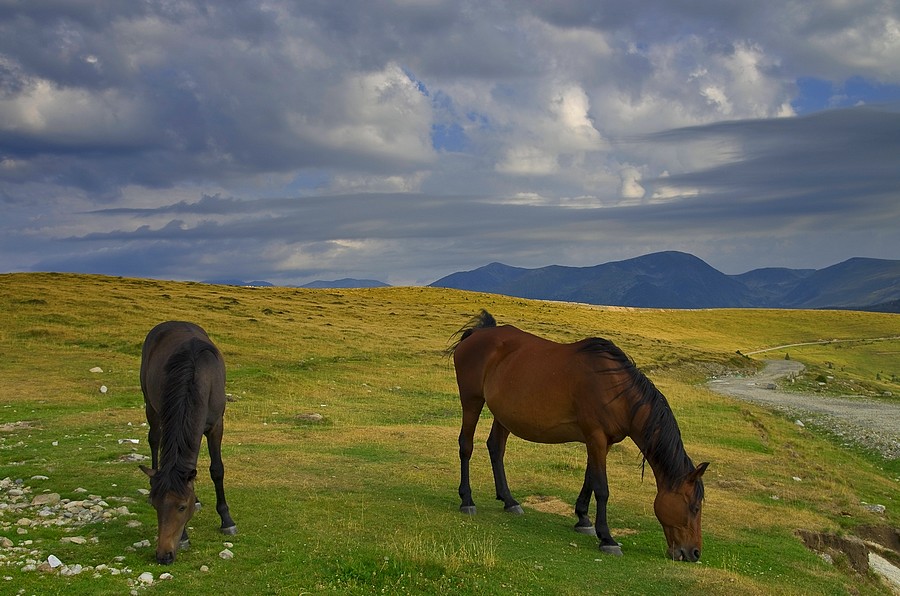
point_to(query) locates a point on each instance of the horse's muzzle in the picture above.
(165, 558)
(691, 555)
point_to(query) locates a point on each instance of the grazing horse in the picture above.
(588, 391)
(183, 380)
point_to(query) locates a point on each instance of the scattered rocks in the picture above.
(25, 512)
(226, 554)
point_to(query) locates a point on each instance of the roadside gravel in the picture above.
(869, 423)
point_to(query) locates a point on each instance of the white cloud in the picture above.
(631, 184)
(527, 161)
(381, 114)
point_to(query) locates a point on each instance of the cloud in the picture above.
(410, 139)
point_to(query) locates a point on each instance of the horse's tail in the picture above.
(181, 398)
(479, 321)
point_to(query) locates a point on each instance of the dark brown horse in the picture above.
(588, 391)
(183, 380)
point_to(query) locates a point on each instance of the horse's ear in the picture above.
(698, 471)
(150, 472)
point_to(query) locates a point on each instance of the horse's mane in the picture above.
(178, 419)
(479, 321)
(661, 437)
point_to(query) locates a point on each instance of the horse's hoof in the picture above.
(467, 509)
(184, 545)
(588, 530)
(609, 549)
(515, 509)
(230, 530)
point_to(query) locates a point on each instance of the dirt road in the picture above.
(870, 423)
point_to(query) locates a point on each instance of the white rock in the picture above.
(226, 554)
(204, 568)
(74, 539)
(53, 561)
(133, 441)
(40, 477)
(73, 570)
(103, 389)
(166, 576)
(146, 578)
(142, 544)
(96, 369)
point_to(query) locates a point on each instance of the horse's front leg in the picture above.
(153, 434)
(496, 445)
(596, 474)
(584, 524)
(217, 473)
(471, 411)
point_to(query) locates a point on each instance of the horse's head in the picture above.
(678, 510)
(174, 509)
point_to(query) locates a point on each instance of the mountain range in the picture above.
(679, 280)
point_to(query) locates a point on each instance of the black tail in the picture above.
(479, 321)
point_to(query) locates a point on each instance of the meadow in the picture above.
(341, 457)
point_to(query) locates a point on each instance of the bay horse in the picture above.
(588, 391)
(183, 381)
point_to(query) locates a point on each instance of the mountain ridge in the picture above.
(673, 279)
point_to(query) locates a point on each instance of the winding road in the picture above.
(871, 423)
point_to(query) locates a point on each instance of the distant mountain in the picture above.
(238, 282)
(346, 283)
(679, 280)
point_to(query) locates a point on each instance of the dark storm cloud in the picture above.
(405, 140)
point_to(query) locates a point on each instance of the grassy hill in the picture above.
(362, 497)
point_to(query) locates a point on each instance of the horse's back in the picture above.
(531, 385)
(168, 339)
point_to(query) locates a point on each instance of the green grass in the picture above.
(364, 500)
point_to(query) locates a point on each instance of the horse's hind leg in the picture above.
(471, 411)
(217, 473)
(496, 445)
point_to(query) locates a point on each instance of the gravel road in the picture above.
(871, 423)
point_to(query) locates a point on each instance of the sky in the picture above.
(406, 140)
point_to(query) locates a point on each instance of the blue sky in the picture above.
(405, 140)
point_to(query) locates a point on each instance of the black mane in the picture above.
(663, 446)
(178, 418)
(479, 321)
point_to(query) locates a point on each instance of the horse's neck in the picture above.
(664, 457)
(180, 452)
